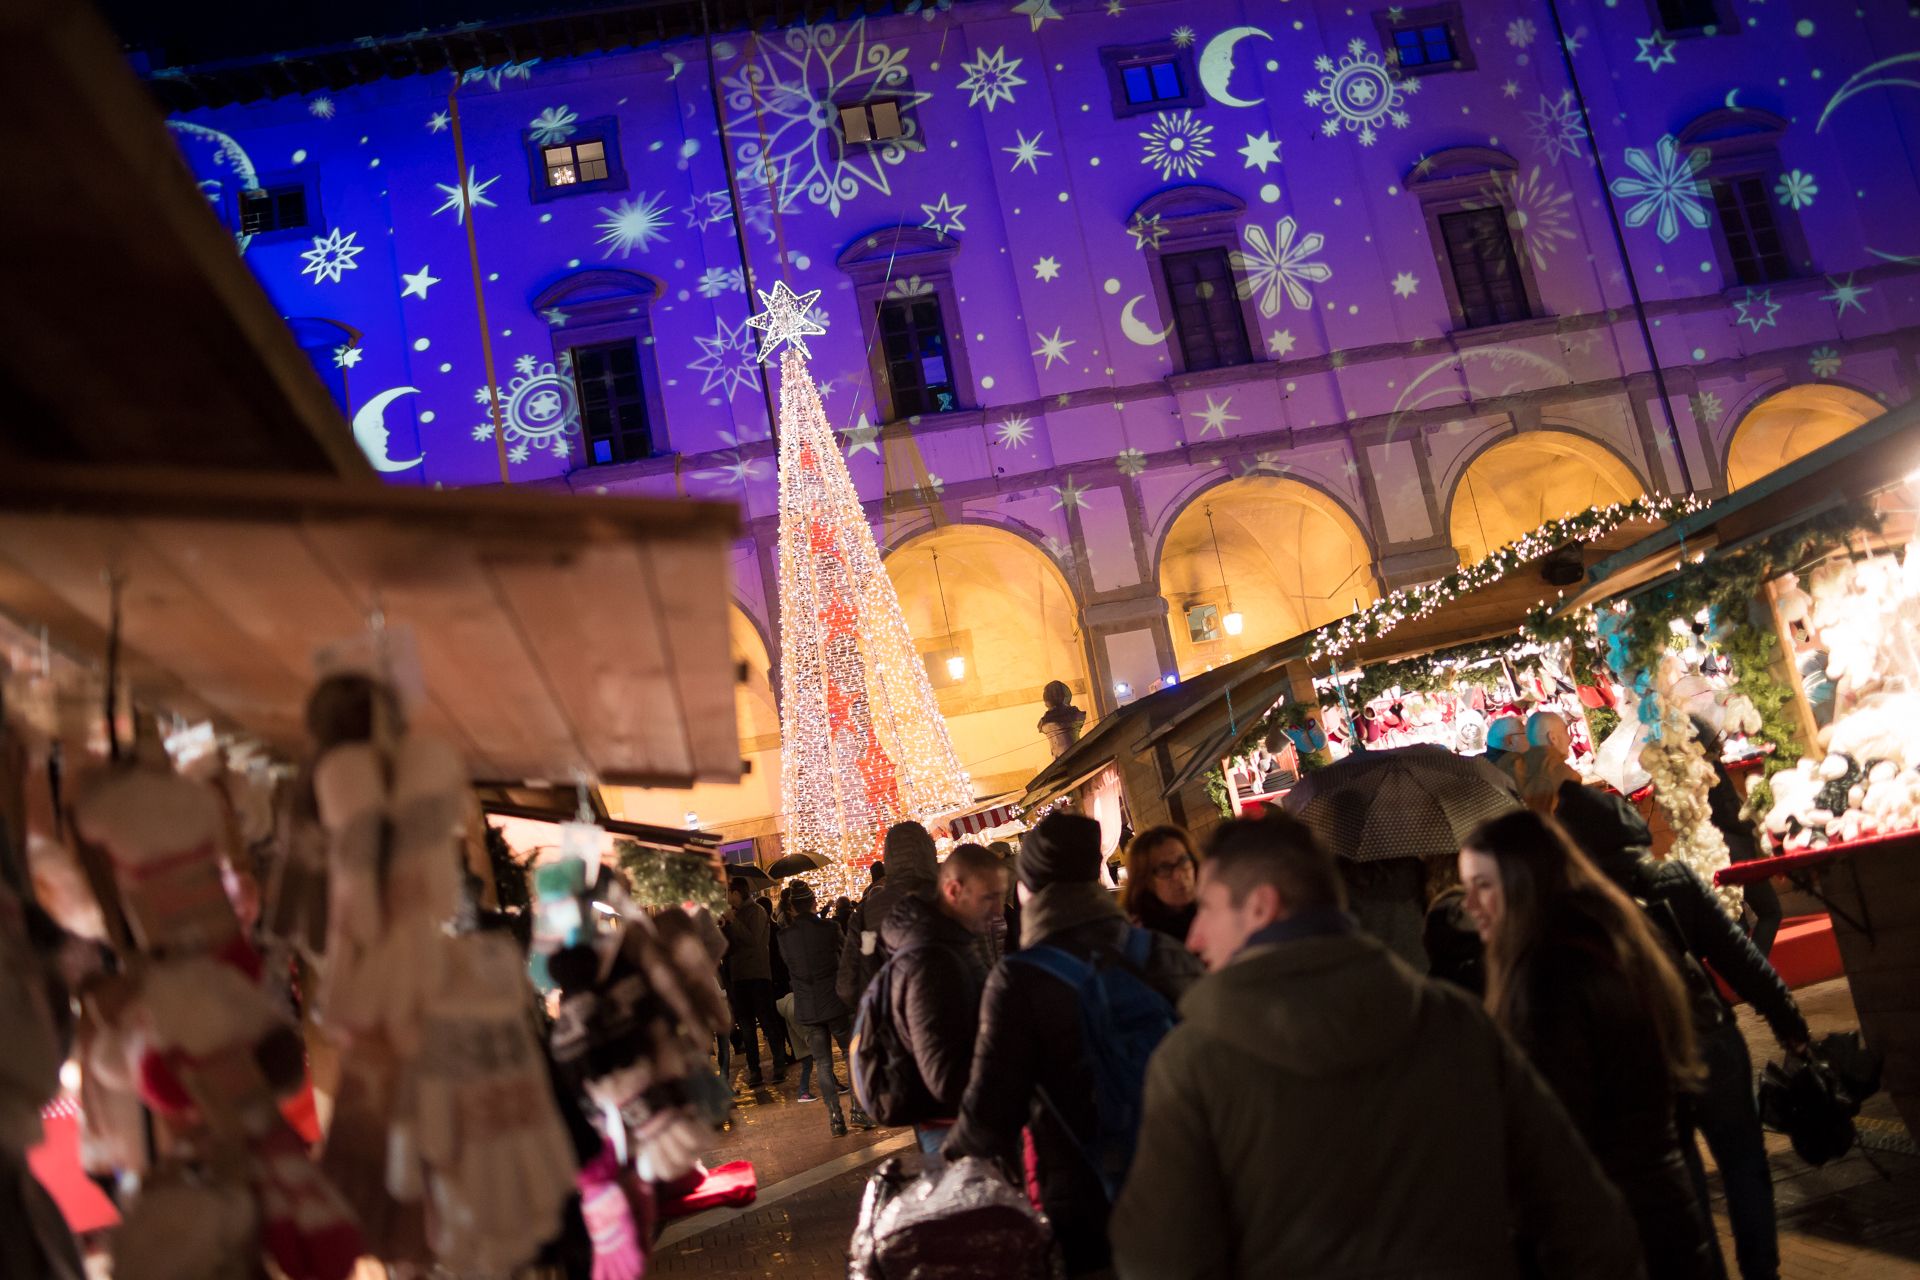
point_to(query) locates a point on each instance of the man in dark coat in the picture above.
(1617, 839)
(910, 866)
(938, 978)
(1322, 1109)
(1030, 1041)
(811, 948)
(750, 981)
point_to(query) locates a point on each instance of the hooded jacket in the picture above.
(1323, 1110)
(811, 947)
(749, 934)
(913, 870)
(1617, 839)
(1030, 1041)
(937, 981)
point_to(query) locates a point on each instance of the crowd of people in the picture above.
(1256, 1085)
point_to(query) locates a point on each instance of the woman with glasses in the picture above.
(1162, 880)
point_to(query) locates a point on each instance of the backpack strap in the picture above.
(1056, 961)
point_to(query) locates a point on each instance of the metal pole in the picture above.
(1620, 242)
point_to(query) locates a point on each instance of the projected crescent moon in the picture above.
(1216, 65)
(370, 430)
(1731, 95)
(1135, 329)
(1861, 81)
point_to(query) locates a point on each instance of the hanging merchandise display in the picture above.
(188, 1029)
(1852, 623)
(447, 1137)
(863, 743)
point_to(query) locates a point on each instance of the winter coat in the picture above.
(1588, 1034)
(811, 948)
(1030, 1041)
(1614, 835)
(1151, 913)
(748, 930)
(1323, 1110)
(913, 868)
(936, 995)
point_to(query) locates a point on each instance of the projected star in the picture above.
(418, 283)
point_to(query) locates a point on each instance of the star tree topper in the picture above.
(785, 319)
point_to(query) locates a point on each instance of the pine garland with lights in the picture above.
(863, 744)
(663, 878)
(1383, 615)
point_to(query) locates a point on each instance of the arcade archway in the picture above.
(1525, 481)
(1791, 424)
(1279, 554)
(1009, 625)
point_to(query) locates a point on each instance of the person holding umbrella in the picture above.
(1388, 815)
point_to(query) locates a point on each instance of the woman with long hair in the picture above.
(1163, 878)
(1576, 974)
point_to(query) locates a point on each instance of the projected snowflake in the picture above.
(731, 360)
(1537, 211)
(555, 124)
(990, 78)
(783, 105)
(539, 409)
(1667, 190)
(331, 255)
(1358, 93)
(1177, 144)
(633, 224)
(1278, 267)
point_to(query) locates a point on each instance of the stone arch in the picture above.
(1514, 484)
(1785, 425)
(1285, 554)
(896, 536)
(1002, 605)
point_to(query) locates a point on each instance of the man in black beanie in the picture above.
(1030, 1065)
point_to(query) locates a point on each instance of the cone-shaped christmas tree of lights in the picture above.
(862, 742)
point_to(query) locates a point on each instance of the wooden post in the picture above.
(1787, 670)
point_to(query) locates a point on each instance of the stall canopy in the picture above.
(1878, 453)
(1185, 730)
(555, 634)
(167, 442)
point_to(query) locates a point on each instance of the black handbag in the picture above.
(1813, 1100)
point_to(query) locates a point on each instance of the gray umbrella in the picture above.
(1407, 802)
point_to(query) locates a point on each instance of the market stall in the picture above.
(208, 594)
(1808, 584)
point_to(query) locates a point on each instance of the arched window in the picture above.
(1189, 234)
(1756, 231)
(1469, 196)
(601, 325)
(910, 317)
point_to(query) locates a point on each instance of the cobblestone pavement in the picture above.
(1857, 1218)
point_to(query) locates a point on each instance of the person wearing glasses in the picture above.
(1162, 873)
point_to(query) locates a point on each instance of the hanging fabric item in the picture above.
(448, 1142)
(191, 1032)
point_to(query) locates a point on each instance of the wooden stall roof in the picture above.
(554, 633)
(1878, 453)
(1494, 610)
(131, 332)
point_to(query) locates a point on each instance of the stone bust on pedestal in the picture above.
(1062, 724)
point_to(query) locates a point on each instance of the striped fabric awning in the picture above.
(982, 820)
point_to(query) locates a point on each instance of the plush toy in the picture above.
(1794, 817)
